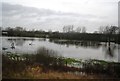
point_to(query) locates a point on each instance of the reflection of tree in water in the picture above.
(119, 53)
(91, 44)
(18, 42)
(109, 50)
(109, 47)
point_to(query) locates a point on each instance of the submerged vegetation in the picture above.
(46, 63)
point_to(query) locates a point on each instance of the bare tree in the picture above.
(101, 29)
(68, 28)
(78, 30)
(19, 29)
(111, 29)
(84, 30)
(64, 29)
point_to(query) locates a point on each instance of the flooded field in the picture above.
(65, 48)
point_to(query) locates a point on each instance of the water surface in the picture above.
(80, 49)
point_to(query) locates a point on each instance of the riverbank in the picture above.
(46, 65)
(38, 72)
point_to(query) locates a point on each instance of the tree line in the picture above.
(104, 34)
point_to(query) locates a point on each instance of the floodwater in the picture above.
(65, 48)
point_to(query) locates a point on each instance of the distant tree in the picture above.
(101, 29)
(24, 29)
(84, 30)
(8, 29)
(78, 30)
(64, 29)
(111, 29)
(68, 28)
(71, 28)
(19, 29)
(95, 32)
(50, 31)
(33, 30)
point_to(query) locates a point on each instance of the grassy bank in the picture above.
(45, 64)
(37, 72)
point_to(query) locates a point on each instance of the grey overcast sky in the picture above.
(54, 14)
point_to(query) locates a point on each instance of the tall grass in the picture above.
(46, 61)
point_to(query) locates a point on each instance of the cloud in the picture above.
(119, 14)
(18, 15)
(40, 18)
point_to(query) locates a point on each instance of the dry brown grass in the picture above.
(36, 72)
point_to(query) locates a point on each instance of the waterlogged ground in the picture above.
(42, 65)
(65, 48)
(38, 58)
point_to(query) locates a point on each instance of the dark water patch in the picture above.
(92, 44)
